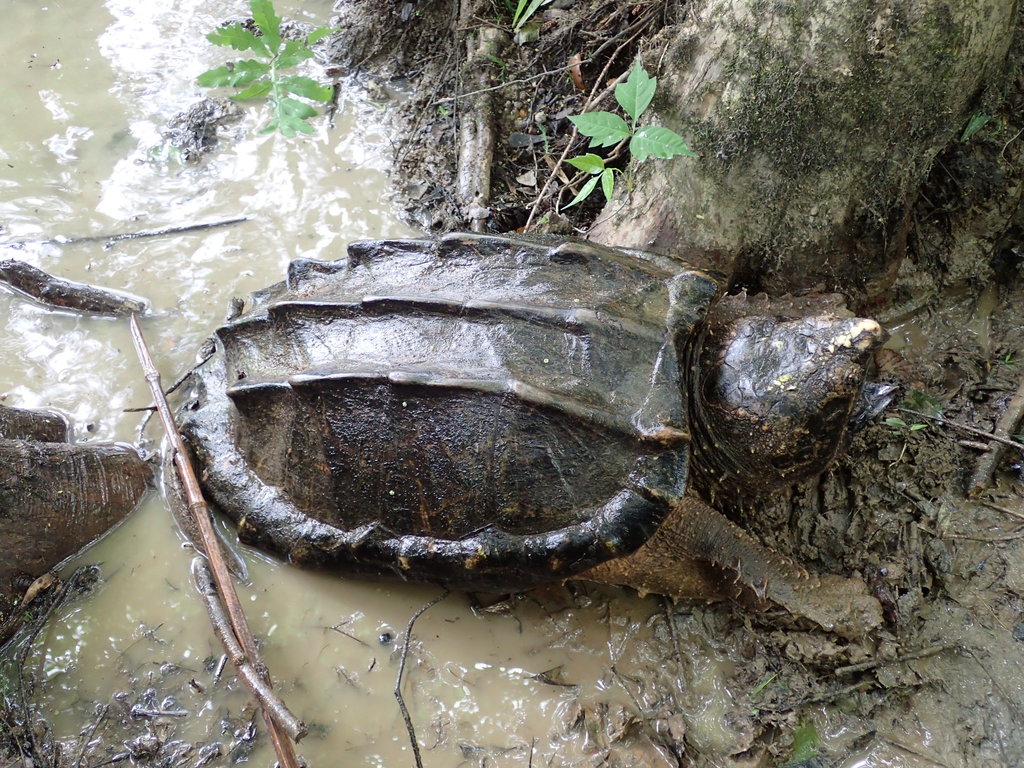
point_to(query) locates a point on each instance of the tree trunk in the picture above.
(816, 123)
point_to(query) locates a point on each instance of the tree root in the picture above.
(981, 478)
(57, 293)
(476, 127)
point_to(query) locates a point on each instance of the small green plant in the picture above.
(263, 77)
(524, 12)
(899, 424)
(806, 744)
(605, 129)
(763, 684)
(978, 121)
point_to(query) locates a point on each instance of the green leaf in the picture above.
(657, 141)
(257, 90)
(318, 34)
(635, 95)
(603, 128)
(522, 16)
(237, 73)
(805, 744)
(293, 52)
(215, 78)
(608, 183)
(589, 163)
(237, 37)
(307, 88)
(268, 22)
(975, 124)
(287, 126)
(295, 108)
(518, 14)
(585, 192)
(896, 421)
(302, 126)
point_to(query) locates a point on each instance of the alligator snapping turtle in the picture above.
(496, 413)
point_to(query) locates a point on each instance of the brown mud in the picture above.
(942, 683)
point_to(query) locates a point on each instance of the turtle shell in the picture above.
(483, 412)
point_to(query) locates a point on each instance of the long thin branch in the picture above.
(130, 235)
(59, 293)
(964, 428)
(508, 83)
(222, 628)
(221, 577)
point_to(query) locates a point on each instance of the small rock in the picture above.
(528, 179)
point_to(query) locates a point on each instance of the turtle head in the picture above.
(774, 398)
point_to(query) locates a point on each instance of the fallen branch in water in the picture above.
(65, 294)
(401, 671)
(988, 461)
(129, 235)
(222, 628)
(277, 729)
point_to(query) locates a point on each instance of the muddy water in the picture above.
(89, 89)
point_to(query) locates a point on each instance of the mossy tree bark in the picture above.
(816, 122)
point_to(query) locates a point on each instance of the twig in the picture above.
(987, 462)
(201, 515)
(1004, 510)
(919, 654)
(508, 83)
(401, 671)
(129, 235)
(222, 628)
(101, 713)
(964, 428)
(967, 537)
(476, 133)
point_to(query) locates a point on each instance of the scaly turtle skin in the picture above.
(496, 413)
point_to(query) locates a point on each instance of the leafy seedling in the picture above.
(263, 77)
(806, 744)
(978, 121)
(606, 129)
(525, 10)
(898, 424)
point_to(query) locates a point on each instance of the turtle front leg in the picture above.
(674, 562)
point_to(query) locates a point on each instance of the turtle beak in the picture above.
(874, 398)
(865, 336)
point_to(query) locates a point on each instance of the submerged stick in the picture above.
(221, 577)
(401, 671)
(58, 293)
(132, 235)
(222, 628)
